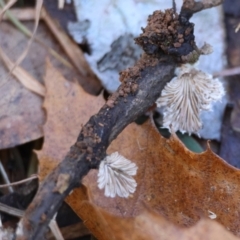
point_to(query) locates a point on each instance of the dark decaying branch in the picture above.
(167, 40)
(93, 141)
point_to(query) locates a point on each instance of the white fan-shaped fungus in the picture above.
(186, 96)
(115, 176)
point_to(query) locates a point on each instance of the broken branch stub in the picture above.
(190, 7)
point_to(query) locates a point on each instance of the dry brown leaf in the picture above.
(149, 226)
(21, 115)
(177, 183)
(181, 186)
(23, 76)
(68, 107)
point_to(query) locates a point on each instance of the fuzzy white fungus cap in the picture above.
(186, 96)
(115, 175)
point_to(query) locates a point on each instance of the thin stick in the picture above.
(19, 213)
(55, 229)
(197, 6)
(6, 7)
(11, 211)
(5, 177)
(227, 72)
(19, 182)
(28, 33)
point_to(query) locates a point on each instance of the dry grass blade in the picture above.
(19, 182)
(28, 15)
(25, 14)
(39, 4)
(71, 232)
(237, 28)
(5, 177)
(23, 76)
(55, 230)
(11, 211)
(70, 47)
(6, 7)
(19, 213)
(227, 72)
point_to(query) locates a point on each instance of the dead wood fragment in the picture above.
(151, 75)
(141, 86)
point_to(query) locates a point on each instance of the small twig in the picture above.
(227, 72)
(5, 177)
(19, 213)
(19, 182)
(192, 6)
(71, 232)
(55, 229)
(11, 211)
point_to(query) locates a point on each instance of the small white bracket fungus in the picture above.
(115, 176)
(186, 96)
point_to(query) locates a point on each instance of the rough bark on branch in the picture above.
(144, 83)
